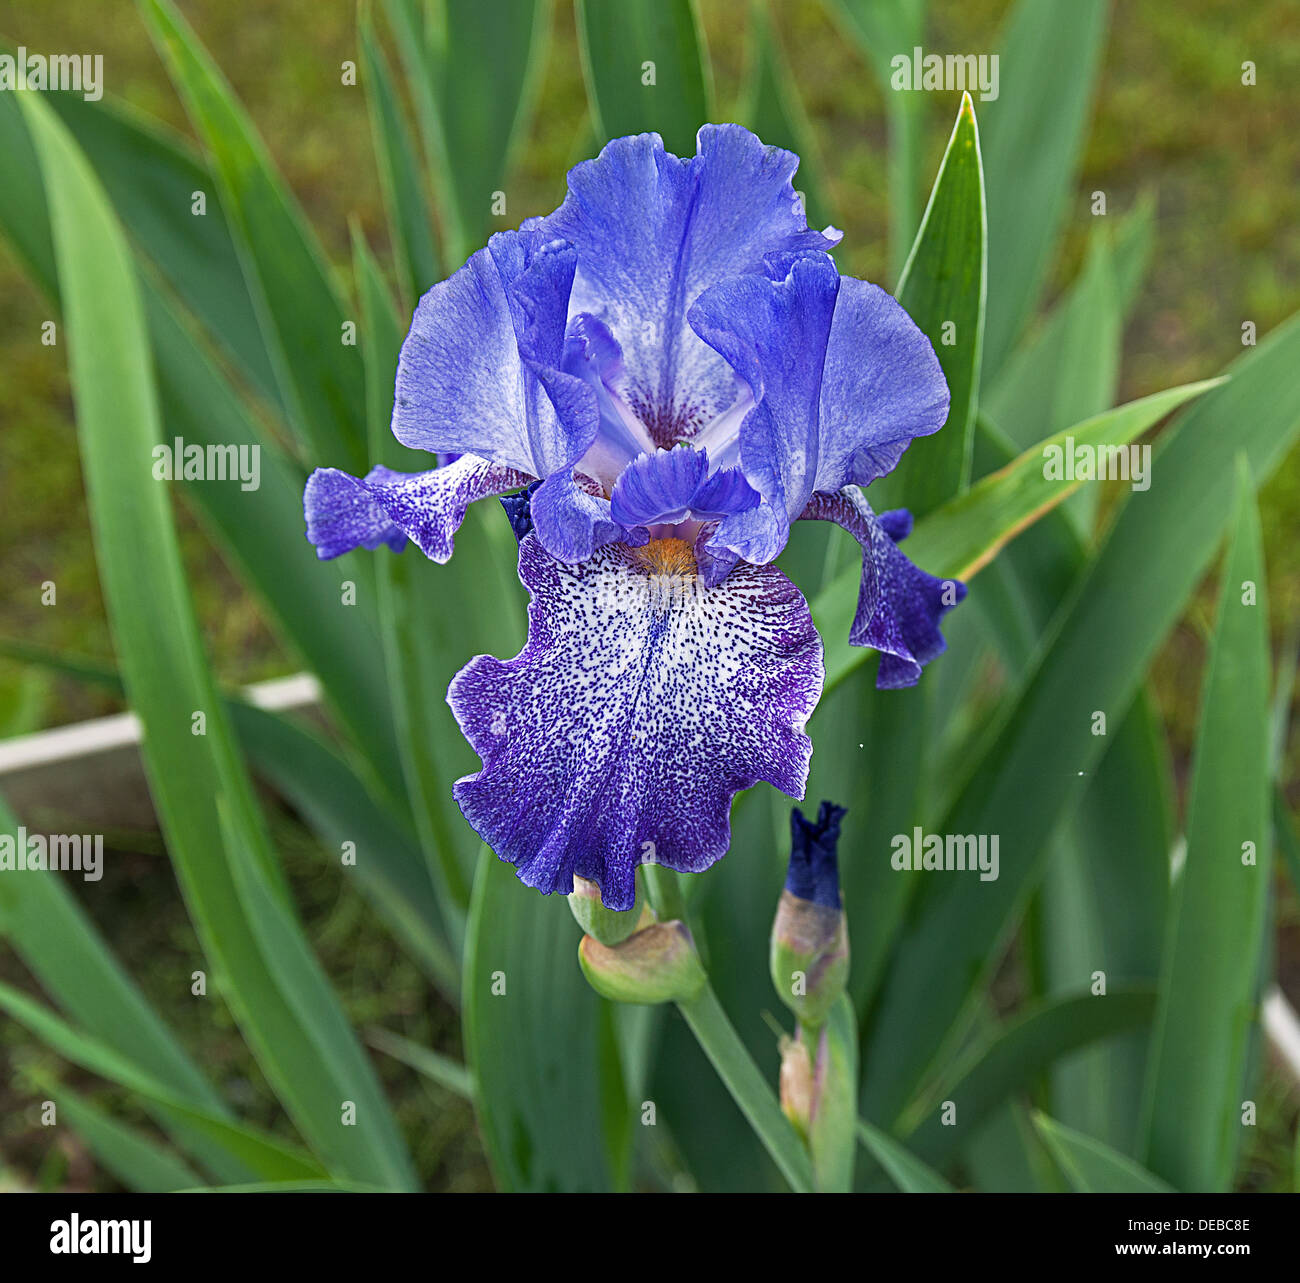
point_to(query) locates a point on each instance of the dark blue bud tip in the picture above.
(519, 510)
(814, 870)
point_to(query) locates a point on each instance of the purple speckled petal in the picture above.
(899, 605)
(387, 507)
(641, 703)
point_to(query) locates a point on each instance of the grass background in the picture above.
(1171, 116)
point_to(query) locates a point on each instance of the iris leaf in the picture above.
(646, 68)
(1209, 990)
(196, 777)
(1092, 1167)
(1008, 1059)
(1033, 140)
(411, 227)
(963, 536)
(297, 301)
(262, 1154)
(908, 1172)
(1096, 653)
(943, 289)
(134, 1158)
(539, 1043)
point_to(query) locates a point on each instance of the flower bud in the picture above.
(810, 942)
(797, 1084)
(656, 964)
(609, 926)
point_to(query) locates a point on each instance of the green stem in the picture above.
(748, 1089)
(665, 893)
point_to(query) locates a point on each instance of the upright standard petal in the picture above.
(652, 232)
(882, 386)
(345, 512)
(641, 703)
(842, 381)
(899, 605)
(774, 333)
(480, 371)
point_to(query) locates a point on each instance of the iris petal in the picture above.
(479, 371)
(899, 605)
(345, 512)
(652, 233)
(639, 706)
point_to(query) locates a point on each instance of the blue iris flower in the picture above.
(673, 366)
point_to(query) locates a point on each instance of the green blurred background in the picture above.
(1171, 117)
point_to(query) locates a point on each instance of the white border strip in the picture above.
(103, 734)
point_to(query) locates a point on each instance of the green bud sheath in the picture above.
(657, 964)
(607, 925)
(809, 957)
(833, 1121)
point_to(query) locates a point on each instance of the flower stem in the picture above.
(742, 1078)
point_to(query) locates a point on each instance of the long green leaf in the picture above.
(151, 177)
(943, 288)
(1092, 1167)
(264, 1155)
(960, 538)
(1155, 553)
(424, 1060)
(539, 1042)
(1033, 139)
(195, 773)
(646, 68)
(64, 950)
(297, 302)
(774, 110)
(389, 869)
(260, 529)
(884, 29)
(906, 1170)
(410, 221)
(1209, 982)
(1009, 1059)
(132, 1157)
(406, 637)
(1027, 390)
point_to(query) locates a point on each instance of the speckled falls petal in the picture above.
(641, 703)
(899, 605)
(345, 512)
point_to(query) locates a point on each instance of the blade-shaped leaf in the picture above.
(1008, 1059)
(63, 949)
(1028, 777)
(196, 778)
(1208, 994)
(1033, 139)
(540, 1044)
(410, 221)
(297, 302)
(884, 29)
(774, 110)
(1092, 1167)
(960, 538)
(646, 68)
(943, 288)
(906, 1170)
(135, 1159)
